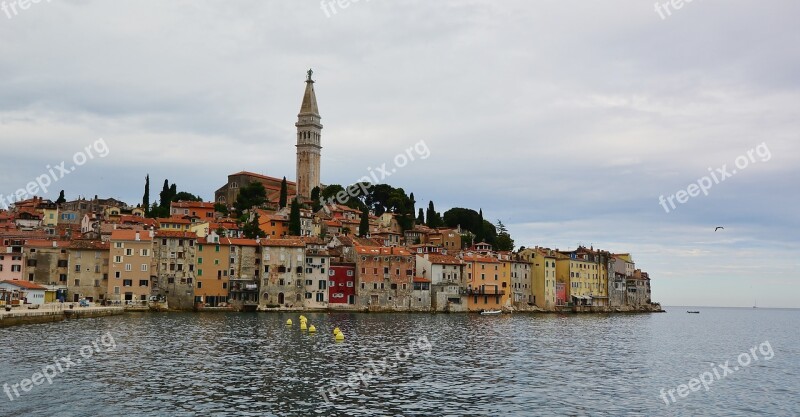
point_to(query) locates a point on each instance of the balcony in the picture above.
(485, 291)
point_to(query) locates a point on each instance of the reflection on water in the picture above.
(221, 364)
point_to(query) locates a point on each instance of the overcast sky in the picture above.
(564, 119)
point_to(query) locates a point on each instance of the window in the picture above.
(16, 268)
(143, 283)
(199, 283)
(77, 283)
(349, 273)
(117, 259)
(129, 252)
(144, 252)
(144, 267)
(128, 267)
(116, 290)
(77, 268)
(127, 283)
(350, 284)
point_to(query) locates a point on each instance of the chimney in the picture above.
(152, 232)
(138, 238)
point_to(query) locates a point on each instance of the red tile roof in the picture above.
(283, 242)
(130, 235)
(24, 284)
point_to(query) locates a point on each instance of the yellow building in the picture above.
(178, 224)
(50, 216)
(581, 271)
(543, 269)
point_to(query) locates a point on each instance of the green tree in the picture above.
(61, 198)
(184, 196)
(294, 219)
(480, 234)
(434, 219)
(146, 196)
(251, 195)
(315, 203)
(363, 227)
(252, 228)
(164, 195)
(420, 217)
(503, 240)
(284, 193)
(221, 208)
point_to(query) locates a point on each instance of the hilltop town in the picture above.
(252, 249)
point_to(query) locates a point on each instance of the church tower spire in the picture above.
(309, 133)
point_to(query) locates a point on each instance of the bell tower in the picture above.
(309, 133)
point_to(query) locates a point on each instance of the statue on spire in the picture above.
(310, 72)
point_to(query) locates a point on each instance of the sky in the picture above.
(567, 120)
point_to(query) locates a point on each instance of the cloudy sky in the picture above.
(564, 119)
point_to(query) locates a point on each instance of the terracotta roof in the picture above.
(421, 279)
(443, 259)
(479, 258)
(192, 204)
(176, 220)
(283, 242)
(89, 245)
(24, 284)
(381, 250)
(240, 242)
(43, 243)
(265, 177)
(175, 234)
(130, 235)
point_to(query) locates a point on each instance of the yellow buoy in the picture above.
(336, 330)
(339, 337)
(302, 325)
(289, 322)
(302, 317)
(312, 329)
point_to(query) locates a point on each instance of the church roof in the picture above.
(309, 105)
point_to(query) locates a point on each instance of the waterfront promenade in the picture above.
(53, 312)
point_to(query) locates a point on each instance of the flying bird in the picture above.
(719, 227)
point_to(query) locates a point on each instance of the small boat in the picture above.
(693, 312)
(491, 312)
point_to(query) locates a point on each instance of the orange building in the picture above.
(215, 262)
(131, 256)
(486, 288)
(195, 209)
(273, 224)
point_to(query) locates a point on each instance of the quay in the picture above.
(52, 313)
